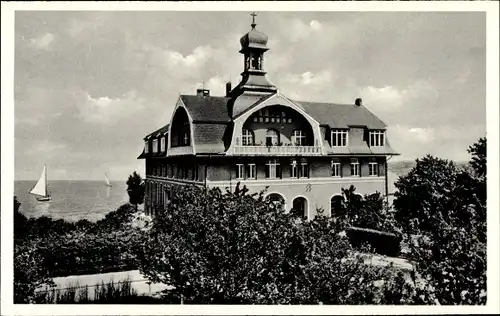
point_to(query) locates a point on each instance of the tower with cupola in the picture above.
(253, 48)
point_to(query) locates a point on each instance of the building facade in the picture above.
(302, 153)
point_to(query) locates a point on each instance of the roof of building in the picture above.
(342, 115)
(254, 39)
(207, 108)
(161, 130)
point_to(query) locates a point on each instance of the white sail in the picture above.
(107, 180)
(40, 187)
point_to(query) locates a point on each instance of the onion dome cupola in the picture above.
(253, 47)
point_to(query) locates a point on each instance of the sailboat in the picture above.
(40, 189)
(107, 180)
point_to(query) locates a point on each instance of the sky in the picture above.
(90, 85)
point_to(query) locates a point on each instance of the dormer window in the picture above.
(155, 145)
(146, 147)
(339, 137)
(162, 144)
(247, 138)
(377, 138)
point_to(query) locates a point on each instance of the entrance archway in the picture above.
(299, 207)
(337, 205)
(277, 199)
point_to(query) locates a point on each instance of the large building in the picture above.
(304, 153)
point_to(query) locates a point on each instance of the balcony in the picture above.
(277, 150)
(179, 151)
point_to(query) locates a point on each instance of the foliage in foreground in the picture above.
(46, 248)
(232, 247)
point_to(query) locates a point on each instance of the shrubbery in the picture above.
(46, 248)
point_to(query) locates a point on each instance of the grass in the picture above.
(108, 293)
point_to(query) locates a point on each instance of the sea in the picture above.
(92, 200)
(72, 200)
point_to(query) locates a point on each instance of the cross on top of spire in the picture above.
(253, 20)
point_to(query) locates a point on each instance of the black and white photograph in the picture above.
(267, 154)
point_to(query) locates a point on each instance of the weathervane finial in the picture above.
(253, 19)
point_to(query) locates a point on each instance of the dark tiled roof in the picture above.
(209, 138)
(342, 115)
(161, 130)
(207, 109)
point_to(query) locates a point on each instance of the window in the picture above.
(377, 138)
(146, 147)
(298, 138)
(240, 171)
(273, 169)
(339, 138)
(304, 169)
(294, 169)
(185, 139)
(162, 144)
(373, 169)
(272, 137)
(155, 145)
(247, 138)
(251, 168)
(335, 168)
(354, 168)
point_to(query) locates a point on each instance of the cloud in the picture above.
(43, 42)
(298, 30)
(422, 135)
(392, 98)
(446, 141)
(106, 110)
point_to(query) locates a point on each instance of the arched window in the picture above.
(181, 133)
(272, 137)
(247, 138)
(276, 199)
(337, 205)
(299, 207)
(298, 138)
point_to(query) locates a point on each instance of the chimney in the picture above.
(203, 92)
(358, 102)
(228, 88)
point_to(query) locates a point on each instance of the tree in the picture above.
(234, 247)
(135, 189)
(442, 209)
(478, 160)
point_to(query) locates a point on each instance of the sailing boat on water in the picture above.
(108, 184)
(40, 190)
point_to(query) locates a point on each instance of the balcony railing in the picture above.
(183, 150)
(277, 150)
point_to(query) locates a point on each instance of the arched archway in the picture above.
(300, 207)
(337, 205)
(277, 199)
